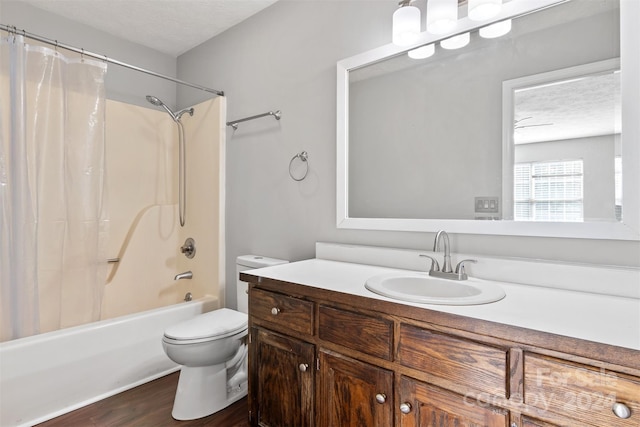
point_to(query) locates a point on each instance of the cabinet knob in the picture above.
(381, 397)
(621, 410)
(405, 407)
(303, 367)
(275, 311)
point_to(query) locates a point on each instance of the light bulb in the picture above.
(496, 30)
(406, 25)
(442, 16)
(456, 42)
(481, 10)
(422, 52)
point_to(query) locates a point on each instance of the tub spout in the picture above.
(185, 275)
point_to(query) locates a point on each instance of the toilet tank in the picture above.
(250, 262)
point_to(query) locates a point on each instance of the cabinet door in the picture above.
(531, 422)
(282, 380)
(423, 405)
(353, 393)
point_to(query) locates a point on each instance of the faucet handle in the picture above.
(434, 263)
(189, 248)
(460, 267)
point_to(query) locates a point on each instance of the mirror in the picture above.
(433, 144)
(562, 160)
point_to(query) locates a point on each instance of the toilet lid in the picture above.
(214, 324)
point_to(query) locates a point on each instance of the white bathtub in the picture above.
(47, 375)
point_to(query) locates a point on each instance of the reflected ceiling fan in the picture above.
(517, 124)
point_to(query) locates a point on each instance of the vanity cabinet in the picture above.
(283, 379)
(371, 335)
(282, 312)
(530, 422)
(353, 393)
(281, 367)
(424, 405)
(587, 394)
(454, 360)
(328, 359)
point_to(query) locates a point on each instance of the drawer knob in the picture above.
(303, 367)
(275, 311)
(381, 397)
(405, 407)
(621, 410)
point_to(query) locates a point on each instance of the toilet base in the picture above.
(202, 391)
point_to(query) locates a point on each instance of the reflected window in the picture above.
(618, 186)
(571, 113)
(549, 191)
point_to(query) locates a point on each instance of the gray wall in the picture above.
(285, 58)
(121, 84)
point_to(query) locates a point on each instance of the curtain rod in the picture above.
(14, 30)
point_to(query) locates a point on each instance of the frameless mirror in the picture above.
(517, 135)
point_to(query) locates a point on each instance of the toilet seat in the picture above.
(210, 326)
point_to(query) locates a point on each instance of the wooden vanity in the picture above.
(324, 358)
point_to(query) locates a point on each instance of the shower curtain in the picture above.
(52, 213)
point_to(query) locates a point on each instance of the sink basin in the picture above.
(422, 288)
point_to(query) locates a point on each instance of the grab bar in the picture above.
(113, 260)
(276, 115)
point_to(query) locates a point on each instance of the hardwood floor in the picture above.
(148, 405)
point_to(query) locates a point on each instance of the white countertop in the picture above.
(605, 319)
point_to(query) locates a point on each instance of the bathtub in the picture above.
(47, 375)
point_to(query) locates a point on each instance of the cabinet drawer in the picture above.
(454, 359)
(283, 312)
(426, 405)
(367, 334)
(580, 392)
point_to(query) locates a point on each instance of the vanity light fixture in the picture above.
(422, 52)
(406, 24)
(498, 29)
(442, 16)
(481, 10)
(456, 42)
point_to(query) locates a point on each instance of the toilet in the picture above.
(212, 349)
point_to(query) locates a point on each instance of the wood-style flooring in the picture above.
(148, 405)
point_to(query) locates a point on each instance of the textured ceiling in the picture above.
(573, 108)
(169, 26)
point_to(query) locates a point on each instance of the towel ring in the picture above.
(304, 156)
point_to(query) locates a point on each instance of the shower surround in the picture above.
(144, 235)
(142, 182)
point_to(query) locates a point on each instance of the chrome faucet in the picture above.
(185, 275)
(442, 235)
(446, 272)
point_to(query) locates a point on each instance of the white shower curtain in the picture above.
(52, 213)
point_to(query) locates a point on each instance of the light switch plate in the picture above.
(487, 205)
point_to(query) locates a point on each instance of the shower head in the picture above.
(156, 101)
(185, 110)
